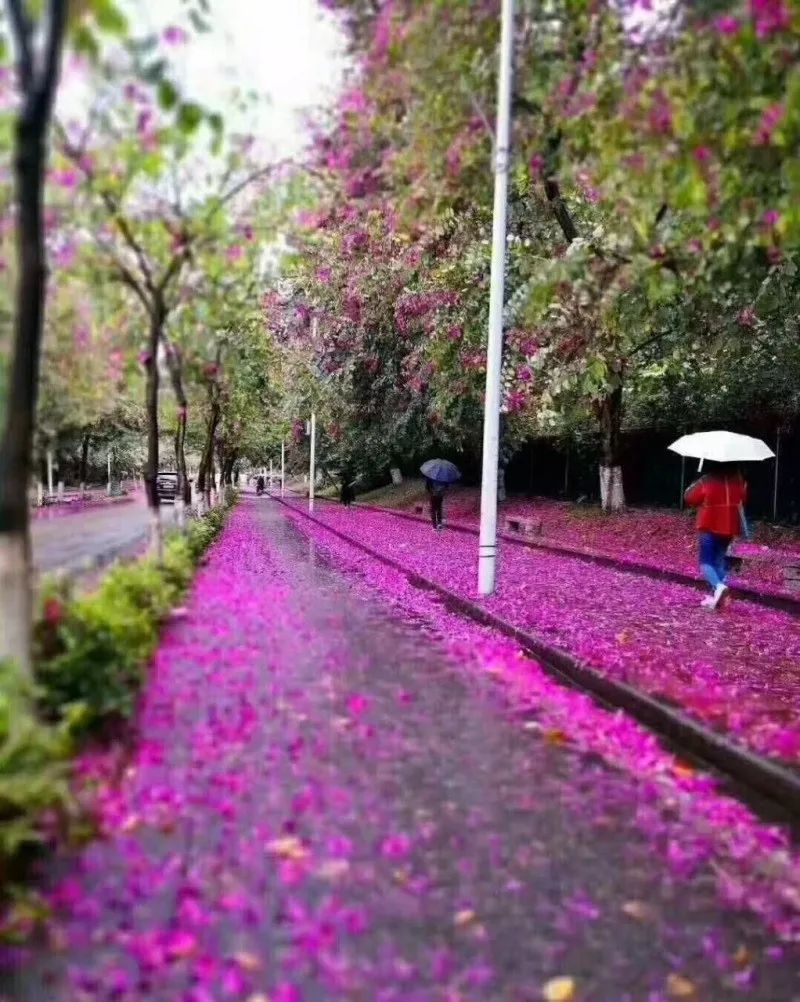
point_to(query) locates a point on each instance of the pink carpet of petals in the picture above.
(736, 670)
(332, 798)
(664, 540)
(747, 854)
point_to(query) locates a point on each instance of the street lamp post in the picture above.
(487, 552)
(312, 472)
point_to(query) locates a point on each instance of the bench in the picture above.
(524, 526)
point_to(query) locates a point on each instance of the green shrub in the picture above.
(93, 650)
(33, 767)
(91, 654)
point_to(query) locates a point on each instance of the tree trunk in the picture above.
(612, 491)
(204, 474)
(183, 495)
(85, 443)
(16, 601)
(151, 407)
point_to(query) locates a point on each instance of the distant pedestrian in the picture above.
(347, 495)
(719, 497)
(436, 492)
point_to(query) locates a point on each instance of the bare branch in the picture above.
(113, 208)
(126, 276)
(48, 77)
(22, 32)
(172, 271)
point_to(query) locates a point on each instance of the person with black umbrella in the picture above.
(439, 474)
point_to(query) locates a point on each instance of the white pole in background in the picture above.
(487, 551)
(283, 468)
(777, 476)
(312, 473)
(50, 472)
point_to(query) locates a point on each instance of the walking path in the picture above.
(735, 670)
(324, 804)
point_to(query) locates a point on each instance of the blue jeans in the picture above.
(713, 560)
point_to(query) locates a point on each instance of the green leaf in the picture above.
(200, 25)
(167, 95)
(190, 115)
(84, 42)
(109, 17)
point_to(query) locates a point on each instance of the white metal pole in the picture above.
(777, 476)
(487, 552)
(283, 468)
(50, 472)
(312, 473)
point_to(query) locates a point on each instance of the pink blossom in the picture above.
(726, 24)
(770, 16)
(173, 35)
(770, 119)
(396, 846)
(66, 179)
(536, 163)
(747, 317)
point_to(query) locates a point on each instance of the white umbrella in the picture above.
(722, 447)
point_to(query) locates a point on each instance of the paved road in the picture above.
(324, 807)
(80, 542)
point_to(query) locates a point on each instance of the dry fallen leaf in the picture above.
(130, 824)
(287, 848)
(247, 961)
(679, 987)
(332, 869)
(559, 990)
(637, 910)
(742, 957)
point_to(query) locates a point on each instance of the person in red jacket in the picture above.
(719, 497)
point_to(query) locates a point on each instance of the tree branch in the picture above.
(112, 207)
(22, 32)
(53, 46)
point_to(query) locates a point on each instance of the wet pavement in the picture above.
(324, 806)
(75, 543)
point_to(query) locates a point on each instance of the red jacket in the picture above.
(719, 502)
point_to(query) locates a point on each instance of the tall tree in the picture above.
(38, 44)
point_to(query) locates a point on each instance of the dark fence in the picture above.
(656, 477)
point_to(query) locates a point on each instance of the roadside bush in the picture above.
(91, 654)
(33, 768)
(93, 650)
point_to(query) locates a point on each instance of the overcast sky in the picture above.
(288, 51)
